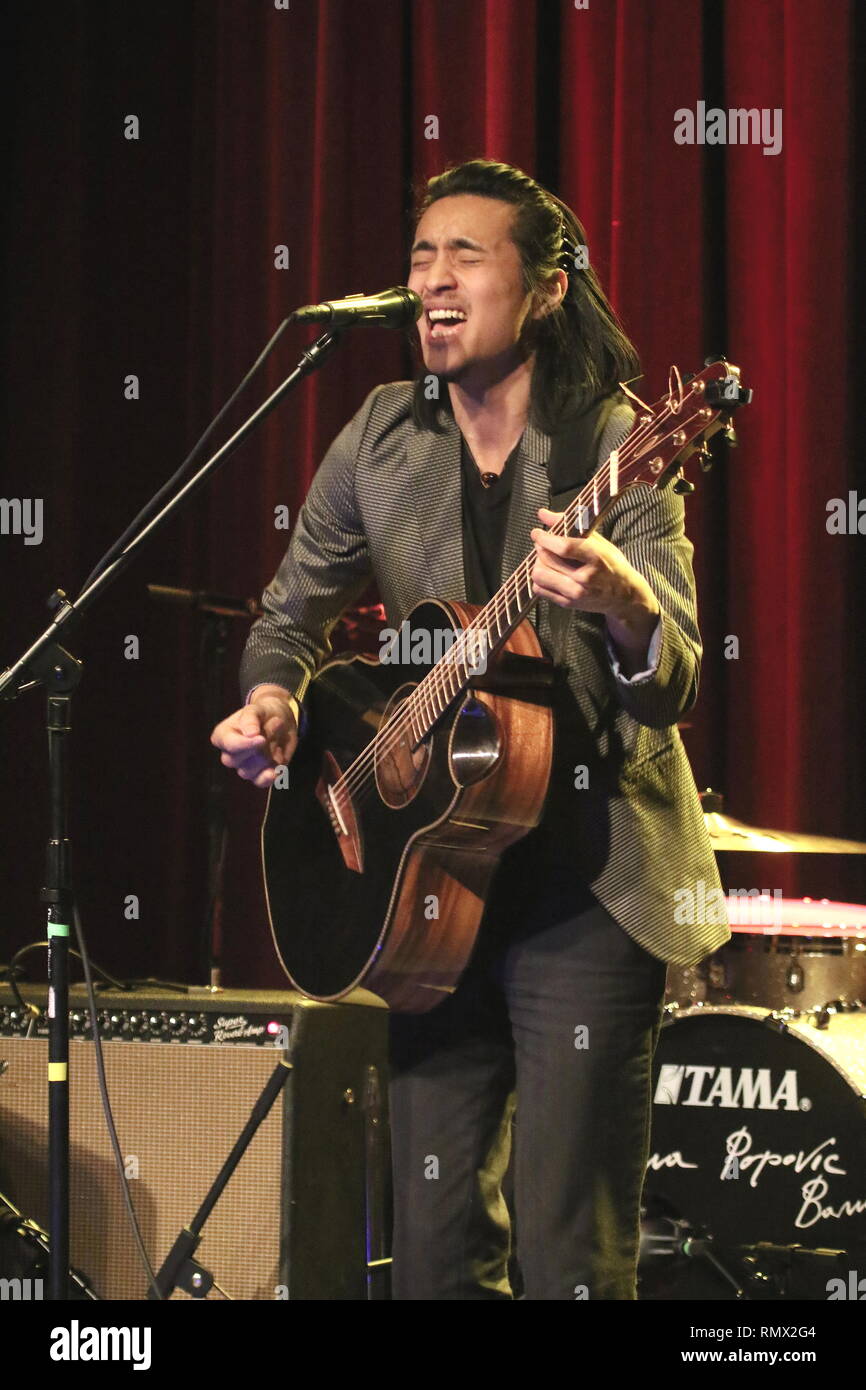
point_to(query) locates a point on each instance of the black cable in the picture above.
(151, 983)
(106, 1108)
(43, 945)
(9, 972)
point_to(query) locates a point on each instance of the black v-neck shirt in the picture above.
(485, 519)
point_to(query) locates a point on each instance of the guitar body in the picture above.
(380, 880)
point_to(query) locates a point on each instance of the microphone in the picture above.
(204, 602)
(396, 308)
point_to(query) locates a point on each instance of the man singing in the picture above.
(438, 488)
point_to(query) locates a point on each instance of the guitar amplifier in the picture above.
(306, 1215)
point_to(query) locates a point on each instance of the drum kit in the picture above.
(756, 1183)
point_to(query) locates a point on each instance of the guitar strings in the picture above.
(358, 777)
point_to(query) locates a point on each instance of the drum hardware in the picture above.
(767, 1272)
(667, 1237)
(790, 1253)
(762, 1272)
(795, 978)
(779, 1019)
(819, 1017)
(827, 1011)
(782, 1266)
(813, 952)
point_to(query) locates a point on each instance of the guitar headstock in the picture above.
(678, 426)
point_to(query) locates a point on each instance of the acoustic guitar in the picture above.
(418, 769)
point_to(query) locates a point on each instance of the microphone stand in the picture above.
(46, 663)
(216, 610)
(214, 640)
(179, 1266)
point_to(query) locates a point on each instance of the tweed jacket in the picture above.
(386, 503)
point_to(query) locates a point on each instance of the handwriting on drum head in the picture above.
(740, 1159)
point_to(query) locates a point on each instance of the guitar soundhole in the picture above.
(400, 769)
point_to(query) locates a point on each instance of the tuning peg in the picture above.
(730, 435)
(705, 458)
(683, 486)
(720, 357)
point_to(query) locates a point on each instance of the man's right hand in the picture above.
(260, 737)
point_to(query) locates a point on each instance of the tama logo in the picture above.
(730, 1088)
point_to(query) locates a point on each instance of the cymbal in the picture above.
(728, 834)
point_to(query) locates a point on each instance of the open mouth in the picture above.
(444, 323)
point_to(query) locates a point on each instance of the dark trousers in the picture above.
(560, 1020)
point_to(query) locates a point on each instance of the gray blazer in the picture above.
(386, 504)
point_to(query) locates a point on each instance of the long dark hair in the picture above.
(581, 349)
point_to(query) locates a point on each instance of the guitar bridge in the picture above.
(334, 811)
(341, 817)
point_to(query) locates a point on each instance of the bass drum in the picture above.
(758, 1135)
